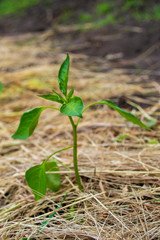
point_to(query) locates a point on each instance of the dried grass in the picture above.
(121, 179)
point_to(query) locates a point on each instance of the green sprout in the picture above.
(39, 177)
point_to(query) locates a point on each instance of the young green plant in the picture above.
(37, 177)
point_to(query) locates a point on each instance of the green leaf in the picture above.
(53, 180)
(153, 141)
(122, 137)
(1, 87)
(36, 180)
(70, 94)
(58, 95)
(156, 200)
(127, 115)
(73, 108)
(28, 123)
(51, 97)
(63, 75)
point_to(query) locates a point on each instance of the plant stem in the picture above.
(75, 154)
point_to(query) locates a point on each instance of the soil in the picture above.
(123, 46)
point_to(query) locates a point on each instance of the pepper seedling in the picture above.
(37, 178)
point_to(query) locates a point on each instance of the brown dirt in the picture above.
(124, 46)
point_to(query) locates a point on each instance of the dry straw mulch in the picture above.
(121, 178)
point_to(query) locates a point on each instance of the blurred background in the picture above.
(112, 29)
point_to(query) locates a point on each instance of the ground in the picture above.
(119, 162)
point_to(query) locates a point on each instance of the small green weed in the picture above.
(85, 17)
(41, 177)
(156, 12)
(156, 200)
(142, 16)
(109, 19)
(153, 141)
(124, 136)
(103, 8)
(9, 7)
(140, 12)
(133, 4)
